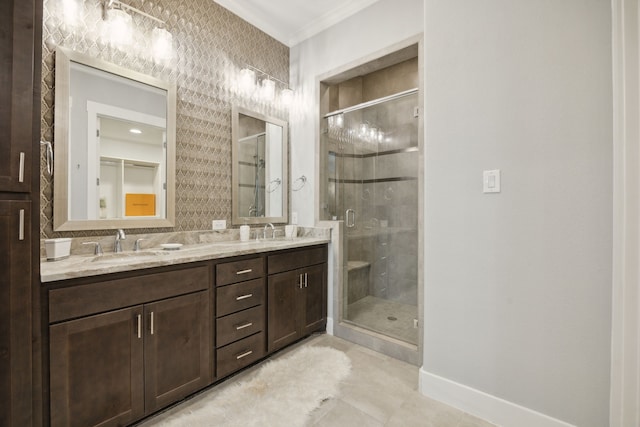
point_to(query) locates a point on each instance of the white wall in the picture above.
(518, 284)
(377, 27)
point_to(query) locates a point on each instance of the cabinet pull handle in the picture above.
(21, 170)
(139, 316)
(248, 270)
(306, 280)
(241, 297)
(300, 281)
(245, 354)
(246, 325)
(21, 224)
(151, 323)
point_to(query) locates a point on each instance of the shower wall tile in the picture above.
(211, 46)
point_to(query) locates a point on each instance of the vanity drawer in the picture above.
(292, 260)
(232, 298)
(239, 325)
(78, 301)
(239, 271)
(240, 354)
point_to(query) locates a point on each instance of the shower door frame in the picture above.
(337, 325)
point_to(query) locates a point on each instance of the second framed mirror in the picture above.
(259, 168)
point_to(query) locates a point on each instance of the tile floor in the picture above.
(379, 392)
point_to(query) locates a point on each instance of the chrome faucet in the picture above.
(119, 237)
(273, 231)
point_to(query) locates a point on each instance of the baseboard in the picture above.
(490, 408)
(330, 326)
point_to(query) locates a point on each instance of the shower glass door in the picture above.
(372, 185)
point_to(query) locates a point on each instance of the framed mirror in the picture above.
(259, 168)
(115, 146)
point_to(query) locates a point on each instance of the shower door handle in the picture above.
(350, 223)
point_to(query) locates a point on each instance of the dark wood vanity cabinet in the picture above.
(297, 295)
(21, 22)
(114, 367)
(126, 345)
(15, 314)
(20, 66)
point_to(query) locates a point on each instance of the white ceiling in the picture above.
(292, 21)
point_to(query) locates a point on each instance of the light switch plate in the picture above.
(491, 181)
(219, 224)
(294, 217)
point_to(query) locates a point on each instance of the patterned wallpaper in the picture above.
(211, 45)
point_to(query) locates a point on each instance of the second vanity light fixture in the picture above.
(264, 85)
(120, 32)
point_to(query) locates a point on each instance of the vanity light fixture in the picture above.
(135, 131)
(267, 85)
(161, 39)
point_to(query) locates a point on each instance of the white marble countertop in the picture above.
(92, 265)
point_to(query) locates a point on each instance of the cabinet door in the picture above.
(97, 373)
(284, 307)
(15, 313)
(17, 47)
(177, 348)
(315, 304)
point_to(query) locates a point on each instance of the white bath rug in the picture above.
(282, 393)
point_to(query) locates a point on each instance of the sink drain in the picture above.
(392, 318)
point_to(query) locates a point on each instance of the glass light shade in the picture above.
(162, 41)
(71, 12)
(247, 80)
(268, 90)
(286, 96)
(120, 31)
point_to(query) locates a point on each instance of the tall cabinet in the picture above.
(20, 67)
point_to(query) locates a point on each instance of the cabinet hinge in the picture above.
(98, 181)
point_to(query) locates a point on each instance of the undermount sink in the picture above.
(124, 257)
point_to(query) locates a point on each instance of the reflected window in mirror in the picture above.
(259, 168)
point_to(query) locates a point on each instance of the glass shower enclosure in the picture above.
(371, 183)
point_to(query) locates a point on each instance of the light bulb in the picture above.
(247, 80)
(268, 90)
(119, 27)
(71, 12)
(162, 43)
(286, 96)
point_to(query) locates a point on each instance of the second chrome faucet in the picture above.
(119, 237)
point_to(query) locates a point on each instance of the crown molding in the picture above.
(293, 36)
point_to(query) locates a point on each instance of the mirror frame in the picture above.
(236, 219)
(61, 221)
